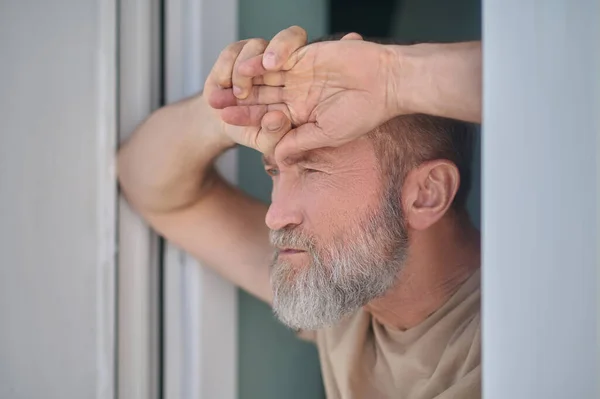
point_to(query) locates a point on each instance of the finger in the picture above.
(295, 57)
(274, 126)
(253, 68)
(223, 68)
(247, 115)
(251, 115)
(352, 36)
(274, 121)
(304, 138)
(270, 79)
(282, 46)
(264, 95)
(258, 95)
(220, 98)
(242, 83)
(274, 78)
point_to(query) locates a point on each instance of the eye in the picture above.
(272, 172)
(309, 171)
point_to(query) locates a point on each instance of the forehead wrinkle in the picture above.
(311, 157)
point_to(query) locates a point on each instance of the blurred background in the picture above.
(93, 304)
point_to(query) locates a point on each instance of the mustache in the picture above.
(291, 238)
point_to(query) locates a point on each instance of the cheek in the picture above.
(335, 205)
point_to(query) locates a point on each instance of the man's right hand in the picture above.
(265, 125)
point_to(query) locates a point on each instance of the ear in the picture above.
(428, 192)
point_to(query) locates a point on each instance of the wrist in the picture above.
(437, 79)
(210, 126)
(407, 79)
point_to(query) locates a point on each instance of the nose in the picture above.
(283, 212)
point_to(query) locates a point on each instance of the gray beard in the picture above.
(352, 271)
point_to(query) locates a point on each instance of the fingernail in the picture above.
(269, 60)
(237, 91)
(273, 126)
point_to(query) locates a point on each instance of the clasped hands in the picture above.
(284, 96)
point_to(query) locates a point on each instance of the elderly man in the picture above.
(367, 251)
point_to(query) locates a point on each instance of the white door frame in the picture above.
(138, 258)
(540, 207)
(200, 306)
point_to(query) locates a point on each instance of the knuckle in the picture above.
(256, 43)
(298, 31)
(223, 79)
(230, 51)
(222, 69)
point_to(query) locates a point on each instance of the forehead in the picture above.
(360, 150)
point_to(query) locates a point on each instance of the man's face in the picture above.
(338, 231)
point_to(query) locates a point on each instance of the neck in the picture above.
(439, 261)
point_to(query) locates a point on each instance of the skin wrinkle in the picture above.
(351, 224)
(341, 278)
(311, 90)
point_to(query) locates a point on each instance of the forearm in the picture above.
(439, 79)
(166, 163)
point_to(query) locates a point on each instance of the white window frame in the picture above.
(540, 163)
(200, 306)
(200, 317)
(138, 325)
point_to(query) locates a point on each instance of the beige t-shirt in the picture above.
(440, 358)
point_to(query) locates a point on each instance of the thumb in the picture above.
(305, 137)
(273, 126)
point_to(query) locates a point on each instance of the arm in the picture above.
(166, 173)
(438, 79)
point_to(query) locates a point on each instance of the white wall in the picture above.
(57, 197)
(540, 199)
